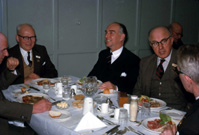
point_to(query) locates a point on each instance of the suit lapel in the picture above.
(37, 60)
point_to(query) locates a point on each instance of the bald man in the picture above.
(176, 30)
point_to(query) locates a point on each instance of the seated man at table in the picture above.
(156, 77)
(177, 33)
(34, 61)
(188, 67)
(10, 111)
(117, 67)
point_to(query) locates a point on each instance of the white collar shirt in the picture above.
(25, 55)
(116, 54)
(166, 62)
(197, 97)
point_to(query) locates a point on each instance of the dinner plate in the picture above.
(19, 98)
(64, 116)
(175, 114)
(34, 82)
(162, 104)
(17, 92)
(144, 124)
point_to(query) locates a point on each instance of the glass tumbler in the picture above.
(123, 117)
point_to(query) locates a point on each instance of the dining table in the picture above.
(43, 124)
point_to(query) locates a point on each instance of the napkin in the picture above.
(89, 122)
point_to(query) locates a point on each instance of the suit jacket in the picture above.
(190, 124)
(11, 110)
(42, 63)
(147, 67)
(122, 72)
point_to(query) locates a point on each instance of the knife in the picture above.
(34, 88)
(112, 129)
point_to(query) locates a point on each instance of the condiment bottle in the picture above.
(133, 108)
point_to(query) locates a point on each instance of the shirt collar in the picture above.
(197, 97)
(117, 52)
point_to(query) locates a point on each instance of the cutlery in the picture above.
(135, 131)
(103, 119)
(54, 103)
(31, 87)
(139, 122)
(121, 132)
(112, 130)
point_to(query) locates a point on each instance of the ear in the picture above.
(122, 37)
(189, 81)
(17, 38)
(172, 39)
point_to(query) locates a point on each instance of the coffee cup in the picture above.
(104, 108)
(116, 113)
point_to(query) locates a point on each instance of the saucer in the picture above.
(109, 112)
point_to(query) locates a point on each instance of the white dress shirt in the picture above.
(116, 54)
(166, 62)
(25, 55)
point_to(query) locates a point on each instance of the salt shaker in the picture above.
(72, 94)
(133, 108)
(109, 102)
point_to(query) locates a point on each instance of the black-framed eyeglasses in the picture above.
(27, 38)
(156, 44)
(178, 72)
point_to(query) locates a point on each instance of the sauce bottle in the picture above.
(133, 108)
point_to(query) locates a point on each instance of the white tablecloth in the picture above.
(43, 124)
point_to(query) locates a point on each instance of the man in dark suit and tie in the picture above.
(11, 111)
(156, 77)
(34, 61)
(117, 67)
(188, 67)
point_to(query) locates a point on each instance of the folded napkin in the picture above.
(89, 122)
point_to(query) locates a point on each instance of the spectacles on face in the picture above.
(26, 38)
(156, 44)
(178, 72)
(179, 34)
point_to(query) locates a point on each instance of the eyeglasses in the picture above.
(179, 34)
(27, 38)
(178, 72)
(156, 44)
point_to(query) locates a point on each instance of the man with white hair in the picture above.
(188, 70)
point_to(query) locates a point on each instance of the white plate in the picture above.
(17, 92)
(19, 98)
(175, 114)
(34, 82)
(109, 112)
(65, 116)
(144, 124)
(100, 99)
(162, 104)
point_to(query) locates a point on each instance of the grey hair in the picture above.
(188, 61)
(164, 27)
(21, 25)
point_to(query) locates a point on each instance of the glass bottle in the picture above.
(133, 108)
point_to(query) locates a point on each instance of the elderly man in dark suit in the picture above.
(34, 61)
(11, 110)
(188, 67)
(156, 77)
(117, 67)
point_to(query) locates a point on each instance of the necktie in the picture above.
(109, 58)
(160, 69)
(30, 62)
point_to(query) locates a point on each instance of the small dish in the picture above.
(62, 105)
(109, 112)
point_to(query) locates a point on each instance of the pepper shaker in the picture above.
(72, 94)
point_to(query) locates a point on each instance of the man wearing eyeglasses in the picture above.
(34, 61)
(156, 77)
(177, 33)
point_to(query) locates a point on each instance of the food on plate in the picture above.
(23, 89)
(79, 97)
(29, 99)
(55, 114)
(41, 82)
(160, 124)
(106, 91)
(62, 105)
(153, 103)
(78, 103)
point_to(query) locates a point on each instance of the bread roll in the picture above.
(79, 97)
(54, 114)
(106, 91)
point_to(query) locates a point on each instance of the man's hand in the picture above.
(31, 77)
(42, 106)
(169, 130)
(12, 63)
(108, 85)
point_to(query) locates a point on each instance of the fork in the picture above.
(135, 131)
(108, 121)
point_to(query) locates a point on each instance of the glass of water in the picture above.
(64, 81)
(66, 93)
(123, 117)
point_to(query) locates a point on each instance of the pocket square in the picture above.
(123, 74)
(44, 63)
(38, 57)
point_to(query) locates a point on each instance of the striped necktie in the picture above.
(109, 58)
(160, 69)
(28, 58)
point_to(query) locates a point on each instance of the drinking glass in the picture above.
(66, 93)
(64, 81)
(123, 117)
(145, 110)
(89, 86)
(46, 86)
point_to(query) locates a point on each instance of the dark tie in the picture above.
(30, 62)
(160, 69)
(109, 58)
